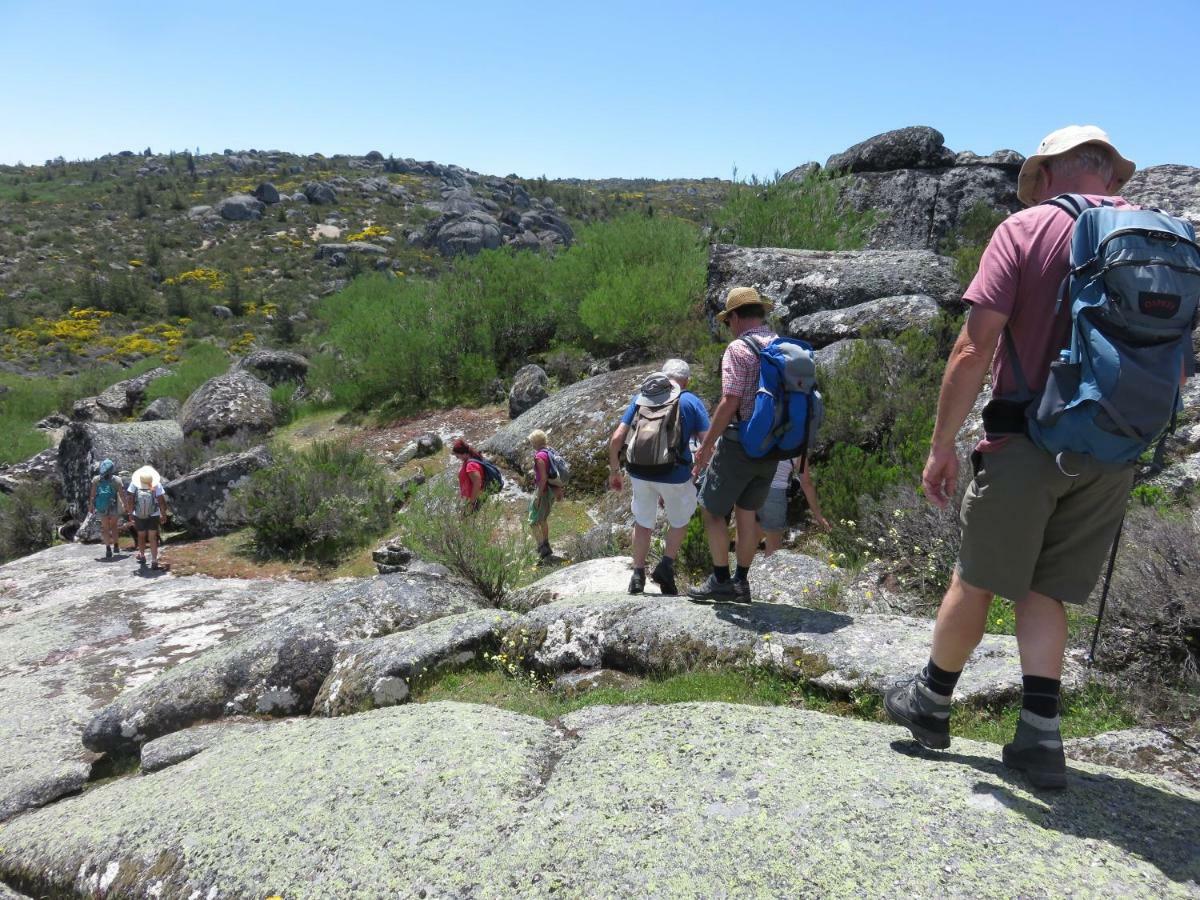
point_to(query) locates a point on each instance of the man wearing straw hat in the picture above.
(1030, 531)
(733, 481)
(146, 504)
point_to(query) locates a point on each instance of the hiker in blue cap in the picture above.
(104, 498)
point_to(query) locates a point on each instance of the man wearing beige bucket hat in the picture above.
(733, 481)
(1030, 532)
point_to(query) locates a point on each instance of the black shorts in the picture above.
(145, 525)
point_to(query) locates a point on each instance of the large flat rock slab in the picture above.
(832, 650)
(277, 667)
(75, 633)
(693, 800)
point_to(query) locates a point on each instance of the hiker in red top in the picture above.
(1031, 532)
(470, 473)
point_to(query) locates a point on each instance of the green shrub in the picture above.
(316, 504)
(199, 363)
(805, 215)
(967, 243)
(29, 520)
(479, 547)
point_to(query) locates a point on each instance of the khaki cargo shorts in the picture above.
(1026, 525)
(735, 479)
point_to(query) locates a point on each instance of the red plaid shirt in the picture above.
(739, 368)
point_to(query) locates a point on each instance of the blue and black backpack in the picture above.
(493, 481)
(788, 408)
(1133, 290)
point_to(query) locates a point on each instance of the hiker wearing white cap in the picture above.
(733, 481)
(1029, 532)
(146, 503)
(656, 432)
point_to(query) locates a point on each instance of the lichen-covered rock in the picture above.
(886, 317)
(39, 467)
(381, 671)
(275, 366)
(1181, 478)
(593, 576)
(530, 387)
(573, 684)
(161, 410)
(318, 192)
(915, 147)
(229, 404)
(834, 356)
(395, 802)
(468, 234)
(834, 651)
(240, 208)
(75, 633)
(181, 745)
(1150, 750)
(278, 667)
(801, 282)
(579, 421)
(794, 579)
(1173, 189)
(129, 445)
(202, 500)
(267, 193)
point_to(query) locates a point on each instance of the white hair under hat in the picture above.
(677, 369)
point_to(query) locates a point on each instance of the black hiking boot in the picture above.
(108, 551)
(921, 711)
(711, 591)
(1038, 752)
(664, 576)
(741, 591)
(637, 581)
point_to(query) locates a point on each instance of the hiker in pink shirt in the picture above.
(1031, 532)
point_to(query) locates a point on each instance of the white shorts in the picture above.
(678, 499)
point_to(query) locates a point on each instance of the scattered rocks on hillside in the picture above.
(915, 147)
(266, 193)
(129, 445)
(229, 404)
(121, 399)
(240, 208)
(1180, 478)
(578, 419)
(320, 192)
(160, 410)
(802, 282)
(277, 667)
(489, 214)
(201, 501)
(275, 367)
(336, 253)
(391, 557)
(220, 312)
(470, 800)
(469, 234)
(885, 317)
(380, 672)
(530, 387)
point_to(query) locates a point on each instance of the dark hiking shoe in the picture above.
(155, 566)
(711, 590)
(1038, 753)
(544, 550)
(637, 582)
(664, 576)
(921, 711)
(741, 591)
(107, 551)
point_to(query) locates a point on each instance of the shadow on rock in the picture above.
(780, 619)
(1155, 824)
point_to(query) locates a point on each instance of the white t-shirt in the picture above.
(783, 472)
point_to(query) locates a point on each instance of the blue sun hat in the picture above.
(106, 468)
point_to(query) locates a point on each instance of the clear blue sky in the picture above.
(661, 89)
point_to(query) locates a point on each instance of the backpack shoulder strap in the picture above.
(1072, 204)
(752, 344)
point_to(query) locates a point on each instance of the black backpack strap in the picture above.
(1072, 204)
(1013, 360)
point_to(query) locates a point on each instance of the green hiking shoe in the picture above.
(911, 704)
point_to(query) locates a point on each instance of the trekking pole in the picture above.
(1112, 559)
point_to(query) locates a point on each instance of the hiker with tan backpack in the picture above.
(656, 433)
(146, 504)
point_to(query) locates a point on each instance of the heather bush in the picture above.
(479, 546)
(804, 215)
(316, 504)
(967, 243)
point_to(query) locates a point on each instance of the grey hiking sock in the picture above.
(929, 702)
(1037, 731)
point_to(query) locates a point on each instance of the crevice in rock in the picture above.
(929, 242)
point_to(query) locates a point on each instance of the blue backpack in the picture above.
(788, 408)
(1133, 290)
(493, 481)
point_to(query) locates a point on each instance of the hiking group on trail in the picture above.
(1083, 310)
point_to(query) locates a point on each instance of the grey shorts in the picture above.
(772, 516)
(734, 479)
(1027, 526)
(150, 524)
